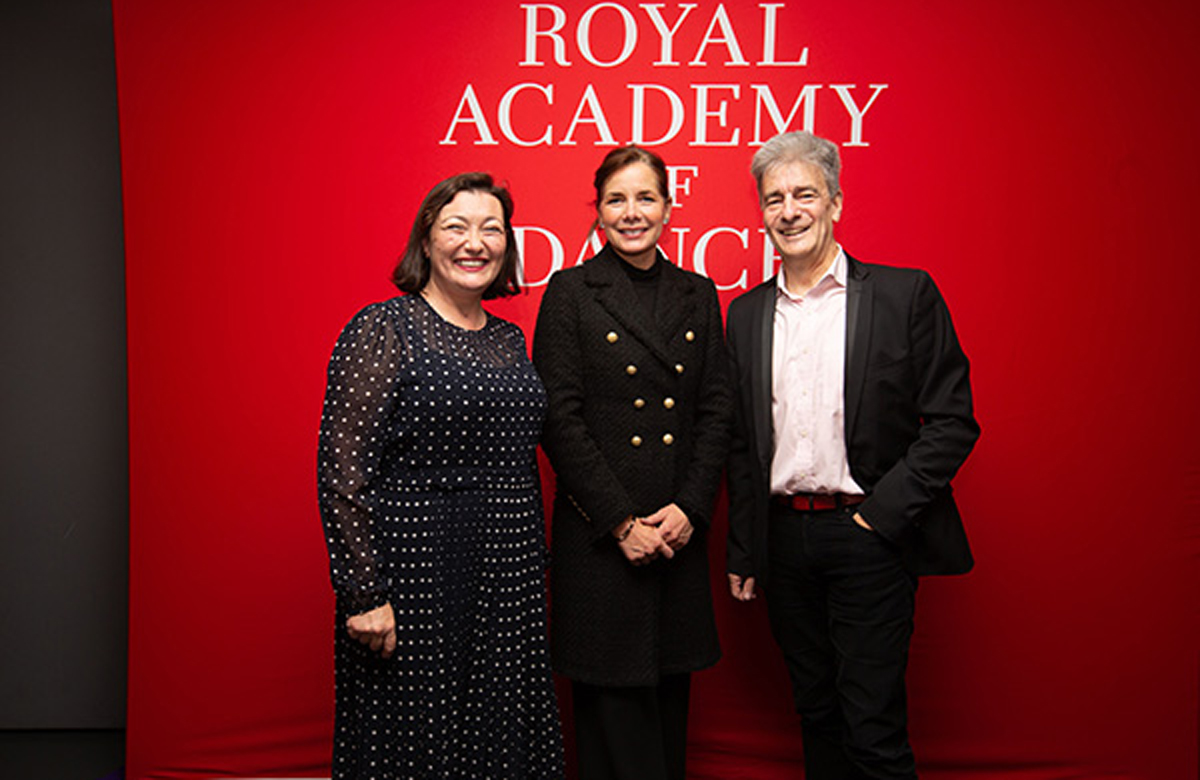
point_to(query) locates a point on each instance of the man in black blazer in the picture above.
(853, 414)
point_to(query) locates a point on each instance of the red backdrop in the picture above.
(1038, 158)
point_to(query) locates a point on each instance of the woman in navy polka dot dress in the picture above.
(429, 494)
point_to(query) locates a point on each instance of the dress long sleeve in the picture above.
(359, 401)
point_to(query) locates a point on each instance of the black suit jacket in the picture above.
(908, 417)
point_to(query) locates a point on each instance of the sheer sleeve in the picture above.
(360, 396)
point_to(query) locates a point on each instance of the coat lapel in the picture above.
(614, 292)
(859, 294)
(675, 300)
(762, 342)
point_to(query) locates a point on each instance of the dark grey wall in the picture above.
(63, 442)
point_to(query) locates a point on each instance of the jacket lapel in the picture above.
(676, 300)
(762, 342)
(614, 292)
(859, 294)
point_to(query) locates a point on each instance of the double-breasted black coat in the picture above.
(639, 417)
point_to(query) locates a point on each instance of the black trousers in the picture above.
(637, 733)
(841, 608)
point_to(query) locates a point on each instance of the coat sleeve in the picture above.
(359, 400)
(714, 406)
(740, 472)
(947, 430)
(580, 468)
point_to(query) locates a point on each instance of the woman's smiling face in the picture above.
(632, 211)
(466, 244)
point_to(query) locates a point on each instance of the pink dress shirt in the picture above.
(807, 384)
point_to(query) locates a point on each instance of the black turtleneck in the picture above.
(645, 284)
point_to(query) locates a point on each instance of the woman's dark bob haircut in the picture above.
(412, 271)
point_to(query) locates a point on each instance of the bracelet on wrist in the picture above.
(623, 535)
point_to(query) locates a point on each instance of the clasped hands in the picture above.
(660, 534)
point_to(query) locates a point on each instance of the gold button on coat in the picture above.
(638, 403)
(636, 441)
(631, 369)
(612, 337)
(690, 335)
(679, 368)
(669, 403)
(668, 439)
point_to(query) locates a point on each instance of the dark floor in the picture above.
(62, 755)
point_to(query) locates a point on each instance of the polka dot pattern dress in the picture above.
(429, 494)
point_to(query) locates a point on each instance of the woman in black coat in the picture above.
(631, 352)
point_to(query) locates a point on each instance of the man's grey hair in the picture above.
(799, 146)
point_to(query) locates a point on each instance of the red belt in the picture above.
(813, 502)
